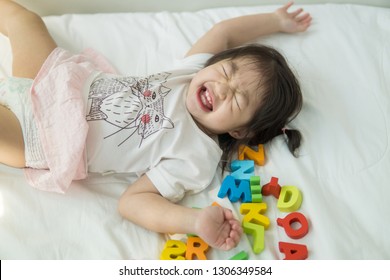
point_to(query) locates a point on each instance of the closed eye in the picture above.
(233, 90)
(224, 71)
(235, 98)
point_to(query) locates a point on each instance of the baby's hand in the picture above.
(294, 21)
(218, 228)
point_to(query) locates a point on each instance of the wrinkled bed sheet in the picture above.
(343, 167)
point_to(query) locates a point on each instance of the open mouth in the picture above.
(205, 99)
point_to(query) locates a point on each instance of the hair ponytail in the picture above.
(294, 138)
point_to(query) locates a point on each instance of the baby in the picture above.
(63, 115)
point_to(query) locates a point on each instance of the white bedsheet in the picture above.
(343, 63)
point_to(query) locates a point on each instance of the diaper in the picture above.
(15, 95)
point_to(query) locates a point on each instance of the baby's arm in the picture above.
(240, 30)
(142, 204)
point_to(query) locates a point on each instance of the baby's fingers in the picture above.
(304, 17)
(236, 226)
(236, 231)
(287, 5)
(304, 23)
(296, 13)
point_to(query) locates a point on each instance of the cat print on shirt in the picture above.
(131, 104)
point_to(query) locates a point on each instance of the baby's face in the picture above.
(223, 97)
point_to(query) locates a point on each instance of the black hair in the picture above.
(280, 100)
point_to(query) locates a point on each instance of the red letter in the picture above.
(291, 218)
(293, 251)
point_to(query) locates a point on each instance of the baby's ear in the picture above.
(239, 133)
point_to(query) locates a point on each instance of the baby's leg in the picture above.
(11, 139)
(31, 44)
(30, 40)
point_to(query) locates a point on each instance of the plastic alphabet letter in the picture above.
(256, 189)
(173, 250)
(290, 199)
(257, 232)
(293, 251)
(272, 188)
(240, 256)
(253, 214)
(290, 219)
(255, 180)
(245, 152)
(257, 198)
(196, 247)
(242, 170)
(234, 192)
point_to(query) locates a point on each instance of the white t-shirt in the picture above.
(141, 125)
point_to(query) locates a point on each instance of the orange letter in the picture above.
(196, 247)
(245, 152)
